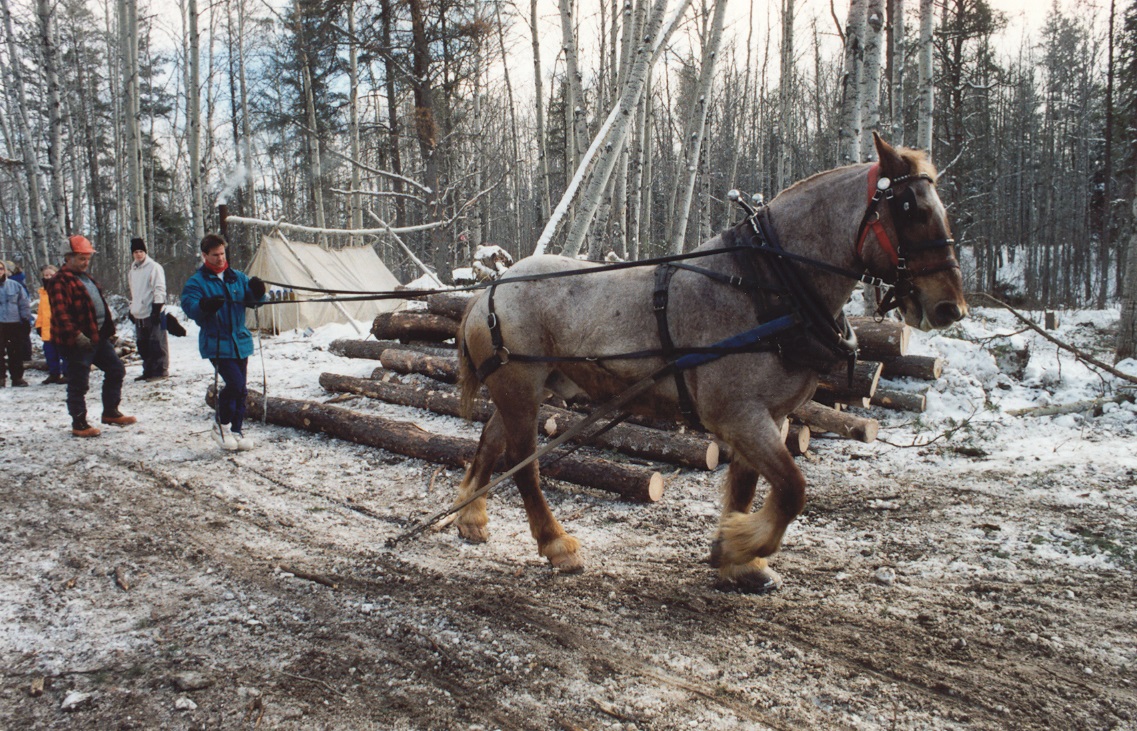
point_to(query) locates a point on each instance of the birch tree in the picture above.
(870, 76)
(543, 197)
(614, 131)
(695, 127)
(193, 121)
(926, 87)
(786, 83)
(57, 205)
(1127, 328)
(31, 165)
(574, 88)
(849, 134)
(897, 48)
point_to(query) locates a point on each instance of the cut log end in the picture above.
(712, 455)
(655, 487)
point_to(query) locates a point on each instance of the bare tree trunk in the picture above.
(786, 82)
(315, 167)
(574, 101)
(926, 87)
(896, 52)
(1107, 192)
(31, 165)
(57, 208)
(543, 195)
(427, 130)
(696, 126)
(1127, 329)
(353, 120)
(614, 131)
(246, 124)
(849, 134)
(514, 146)
(395, 162)
(870, 77)
(193, 122)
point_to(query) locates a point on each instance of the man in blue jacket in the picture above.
(216, 297)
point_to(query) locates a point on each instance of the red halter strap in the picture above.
(872, 219)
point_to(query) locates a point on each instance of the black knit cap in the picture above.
(137, 244)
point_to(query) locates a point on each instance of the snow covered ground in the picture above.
(972, 568)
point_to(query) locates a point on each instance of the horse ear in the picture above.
(891, 164)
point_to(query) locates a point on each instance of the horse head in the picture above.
(905, 238)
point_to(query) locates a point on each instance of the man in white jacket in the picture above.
(147, 298)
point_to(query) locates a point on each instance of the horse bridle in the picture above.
(900, 205)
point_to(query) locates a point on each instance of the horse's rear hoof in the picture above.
(752, 581)
(716, 554)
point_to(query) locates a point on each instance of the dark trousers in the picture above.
(12, 349)
(56, 366)
(79, 365)
(152, 346)
(231, 400)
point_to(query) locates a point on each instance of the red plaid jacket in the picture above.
(72, 312)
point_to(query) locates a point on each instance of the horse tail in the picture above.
(467, 370)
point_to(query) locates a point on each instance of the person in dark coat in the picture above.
(215, 297)
(15, 319)
(82, 327)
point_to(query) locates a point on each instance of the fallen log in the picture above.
(449, 304)
(635, 441)
(798, 440)
(924, 367)
(629, 481)
(880, 340)
(405, 361)
(372, 349)
(835, 384)
(820, 418)
(890, 398)
(413, 325)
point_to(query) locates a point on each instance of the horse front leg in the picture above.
(472, 520)
(745, 539)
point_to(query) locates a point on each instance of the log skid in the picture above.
(449, 304)
(405, 361)
(698, 452)
(821, 419)
(890, 398)
(372, 349)
(923, 367)
(413, 325)
(629, 481)
(880, 340)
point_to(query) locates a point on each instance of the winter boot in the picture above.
(244, 443)
(225, 438)
(80, 427)
(19, 382)
(116, 417)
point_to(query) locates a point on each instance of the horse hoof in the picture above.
(570, 563)
(716, 553)
(755, 581)
(473, 533)
(563, 554)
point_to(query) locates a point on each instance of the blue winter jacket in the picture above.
(223, 334)
(14, 303)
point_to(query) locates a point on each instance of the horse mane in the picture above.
(918, 164)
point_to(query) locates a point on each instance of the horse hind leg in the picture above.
(472, 519)
(561, 549)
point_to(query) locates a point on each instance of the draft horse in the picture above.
(800, 254)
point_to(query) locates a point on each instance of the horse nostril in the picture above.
(948, 312)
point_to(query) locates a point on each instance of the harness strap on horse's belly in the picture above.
(659, 304)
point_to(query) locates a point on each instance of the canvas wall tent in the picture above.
(356, 268)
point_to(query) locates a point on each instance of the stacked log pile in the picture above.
(418, 367)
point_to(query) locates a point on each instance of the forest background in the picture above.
(429, 127)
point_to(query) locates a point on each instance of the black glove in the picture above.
(209, 305)
(155, 310)
(83, 343)
(39, 331)
(257, 287)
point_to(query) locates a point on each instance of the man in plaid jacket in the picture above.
(82, 326)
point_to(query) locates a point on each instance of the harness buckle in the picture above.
(735, 281)
(491, 321)
(901, 264)
(502, 358)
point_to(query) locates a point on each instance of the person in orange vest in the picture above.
(55, 363)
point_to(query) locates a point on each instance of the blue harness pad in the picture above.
(737, 343)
